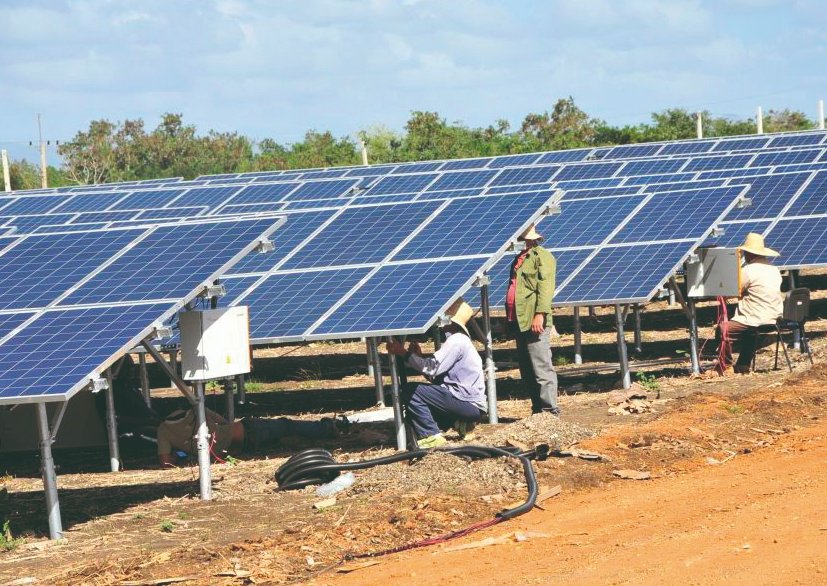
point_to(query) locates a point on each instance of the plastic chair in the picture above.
(794, 316)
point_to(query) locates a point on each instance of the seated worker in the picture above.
(761, 303)
(456, 395)
(178, 432)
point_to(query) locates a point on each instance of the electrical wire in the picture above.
(725, 346)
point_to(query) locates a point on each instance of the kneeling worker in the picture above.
(455, 396)
(179, 430)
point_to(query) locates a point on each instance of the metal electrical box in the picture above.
(716, 273)
(215, 343)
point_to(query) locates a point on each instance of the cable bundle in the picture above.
(725, 346)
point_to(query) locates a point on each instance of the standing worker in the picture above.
(761, 303)
(528, 311)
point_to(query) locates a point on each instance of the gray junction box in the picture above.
(715, 273)
(215, 343)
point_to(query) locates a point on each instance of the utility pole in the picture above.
(759, 120)
(364, 149)
(6, 177)
(821, 114)
(44, 180)
(699, 124)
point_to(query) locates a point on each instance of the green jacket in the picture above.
(535, 287)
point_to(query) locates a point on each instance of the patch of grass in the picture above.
(138, 517)
(167, 526)
(8, 541)
(231, 461)
(734, 408)
(558, 360)
(183, 515)
(253, 386)
(648, 382)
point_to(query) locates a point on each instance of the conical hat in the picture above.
(459, 313)
(530, 234)
(754, 243)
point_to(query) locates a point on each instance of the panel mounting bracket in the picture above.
(692, 259)
(744, 202)
(481, 281)
(98, 384)
(265, 246)
(717, 232)
(552, 210)
(213, 291)
(161, 332)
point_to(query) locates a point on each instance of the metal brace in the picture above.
(265, 246)
(56, 420)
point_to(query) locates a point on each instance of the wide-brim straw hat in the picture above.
(459, 313)
(754, 243)
(531, 233)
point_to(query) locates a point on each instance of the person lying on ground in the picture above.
(178, 433)
(455, 395)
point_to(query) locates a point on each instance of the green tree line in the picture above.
(109, 152)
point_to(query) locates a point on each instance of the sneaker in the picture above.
(465, 429)
(432, 441)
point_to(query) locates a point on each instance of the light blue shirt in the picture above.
(456, 366)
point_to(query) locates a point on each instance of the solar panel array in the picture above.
(73, 303)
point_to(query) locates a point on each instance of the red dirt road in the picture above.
(759, 518)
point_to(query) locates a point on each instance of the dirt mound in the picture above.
(540, 428)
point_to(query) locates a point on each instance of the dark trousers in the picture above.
(743, 334)
(260, 432)
(433, 408)
(536, 368)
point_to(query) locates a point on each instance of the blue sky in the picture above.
(276, 68)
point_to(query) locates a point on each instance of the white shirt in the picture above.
(761, 299)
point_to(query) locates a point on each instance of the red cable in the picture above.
(725, 347)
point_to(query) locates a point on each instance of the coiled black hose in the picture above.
(317, 466)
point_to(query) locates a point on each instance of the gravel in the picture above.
(541, 428)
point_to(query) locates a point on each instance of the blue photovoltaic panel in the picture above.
(207, 196)
(476, 225)
(362, 234)
(727, 173)
(677, 214)
(92, 217)
(253, 208)
(219, 176)
(401, 297)
(734, 233)
(683, 185)
(623, 273)
(32, 205)
(768, 195)
(269, 193)
(448, 193)
(817, 166)
(326, 174)
(390, 198)
(465, 164)
(234, 287)
(142, 200)
(787, 158)
(50, 228)
(62, 349)
(370, 171)
(741, 144)
(290, 303)
(41, 268)
(307, 204)
(571, 156)
(574, 194)
(170, 213)
(498, 190)
(721, 162)
(589, 183)
(588, 171)
(25, 224)
(277, 177)
(230, 182)
(167, 263)
(687, 148)
(652, 179)
(463, 180)
(524, 175)
(813, 200)
(652, 167)
(801, 242)
(633, 151)
(417, 167)
(587, 222)
(298, 228)
(9, 321)
(88, 203)
(402, 184)
(797, 140)
(599, 153)
(513, 160)
(322, 189)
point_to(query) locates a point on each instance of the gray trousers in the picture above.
(536, 368)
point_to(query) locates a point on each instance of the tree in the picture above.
(787, 120)
(89, 157)
(565, 127)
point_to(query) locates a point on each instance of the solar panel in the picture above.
(801, 242)
(402, 184)
(726, 173)
(462, 180)
(687, 148)
(589, 183)
(633, 151)
(684, 185)
(735, 232)
(31, 205)
(497, 190)
(171, 213)
(813, 199)
(720, 162)
(574, 194)
(321, 189)
(587, 171)
(88, 203)
(797, 140)
(155, 198)
(525, 175)
(371, 171)
(652, 179)
(465, 164)
(787, 158)
(25, 224)
(207, 196)
(570, 156)
(817, 166)
(325, 174)
(269, 193)
(277, 177)
(652, 167)
(254, 208)
(513, 160)
(487, 222)
(587, 222)
(741, 144)
(417, 167)
(768, 195)
(449, 193)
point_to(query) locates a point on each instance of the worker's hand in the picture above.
(397, 348)
(538, 324)
(413, 348)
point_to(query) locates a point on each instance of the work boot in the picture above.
(432, 441)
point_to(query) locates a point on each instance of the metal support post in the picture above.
(112, 426)
(638, 341)
(578, 336)
(47, 465)
(377, 372)
(437, 335)
(230, 399)
(821, 114)
(6, 178)
(369, 356)
(791, 275)
(173, 360)
(145, 391)
(170, 371)
(591, 311)
(671, 297)
(625, 377)
(203, 442)
(693, 337)
(401, 443)
(241, 389)
(699, 124)
(490, 370)
(759, 120)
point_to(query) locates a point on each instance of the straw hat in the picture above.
(530, 234)
(754, 243)
(459, 313)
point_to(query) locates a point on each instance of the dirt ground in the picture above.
(737, 490)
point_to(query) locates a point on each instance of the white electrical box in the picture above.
(215, 343)
(716, 273)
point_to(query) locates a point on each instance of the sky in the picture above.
(277, 68)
